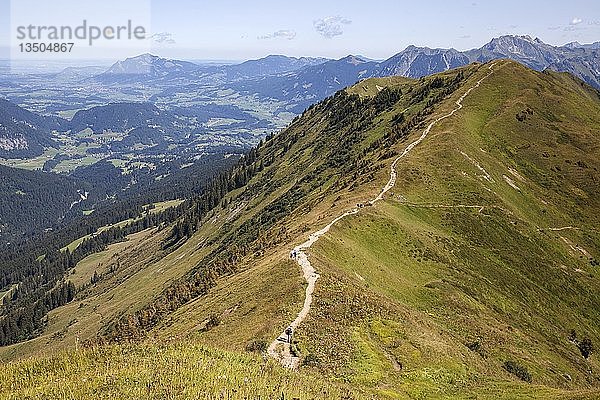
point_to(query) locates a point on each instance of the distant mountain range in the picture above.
(293, 83)
(296, 83)
(577, 45)
(144, 67)
(270, 65)
(150, 67)
(314, 83)
(308, 85)
(413, 62)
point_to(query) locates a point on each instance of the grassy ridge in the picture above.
(175, 371)
(460, 273)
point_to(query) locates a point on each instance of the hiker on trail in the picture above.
(289, 331)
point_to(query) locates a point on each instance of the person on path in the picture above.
(289, 331)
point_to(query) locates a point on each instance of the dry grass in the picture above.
(148, 371)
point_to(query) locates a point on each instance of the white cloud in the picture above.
(330, 27)
(163, 38)
(283, 34)
(576, 21)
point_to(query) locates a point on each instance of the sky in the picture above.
(240, 30)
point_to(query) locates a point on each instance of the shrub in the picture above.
(586, 347)
(212, 321)
(257, 346)
(573, 336)
(518, 370)
(295, 349)
(478, 348)
(311, 360)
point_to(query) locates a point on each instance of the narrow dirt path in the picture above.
(564, 228)
(280, 348)
(479, 207)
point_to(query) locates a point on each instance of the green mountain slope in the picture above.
(476, 245)
(466, 280)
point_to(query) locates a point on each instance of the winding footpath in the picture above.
(280, 349)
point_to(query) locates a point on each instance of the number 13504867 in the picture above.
(52, 47)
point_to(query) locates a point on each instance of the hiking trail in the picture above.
(280, 349)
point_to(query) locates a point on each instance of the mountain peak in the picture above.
(577, 45)
(352, 59)
(149, 65)
(144, 56)
(573, 45)
(512, 38)
(412, 47)
(524, 38)
(515, 45)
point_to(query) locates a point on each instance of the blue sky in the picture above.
(236, 30)
(378, 29)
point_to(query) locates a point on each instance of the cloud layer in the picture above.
(330, 27)
(283, 34)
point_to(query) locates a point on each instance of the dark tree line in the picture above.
(35, 266)
(40, 284)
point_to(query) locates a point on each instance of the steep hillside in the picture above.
(488, 245)
(23, 133)
(31, 201)
(121, 117)
(475, 275)
(431, 277)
